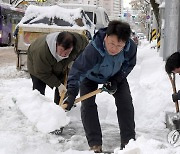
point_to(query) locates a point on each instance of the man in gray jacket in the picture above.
(49, 57)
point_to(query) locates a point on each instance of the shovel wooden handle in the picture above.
(64, 106)
(63, 92)
(62, 97)
(173, 82)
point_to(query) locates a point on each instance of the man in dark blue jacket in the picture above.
(108, 59)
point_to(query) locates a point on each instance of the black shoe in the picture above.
(96, 148)
(58, 131)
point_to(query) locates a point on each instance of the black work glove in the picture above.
(69, 100)
(110, 87)
(176, 96)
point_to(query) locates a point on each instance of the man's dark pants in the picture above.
(125, 113)
(41, 86)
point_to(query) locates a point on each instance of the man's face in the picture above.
(176, 70)
(62, 52)
(113, 45)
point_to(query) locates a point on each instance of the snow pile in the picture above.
(151, 89)
(41, 111)
(52, 11)
(36, 13)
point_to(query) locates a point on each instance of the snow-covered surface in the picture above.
(162, 5)
(37, 13)
(35, 107)
(26, 117)
(158, 1)
(51, 11)
(48, 18)
(163, 24)
(6, 5)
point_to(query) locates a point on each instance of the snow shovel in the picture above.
(64, 106)
(78, 99)
(173, 119)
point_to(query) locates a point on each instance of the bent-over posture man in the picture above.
(49, 57)
(108, 59)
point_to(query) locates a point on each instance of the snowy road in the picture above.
(152, 98)
(14, 123)
(7, 56)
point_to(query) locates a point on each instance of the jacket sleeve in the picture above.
(43, 70)
(128, 64)
(85, 61)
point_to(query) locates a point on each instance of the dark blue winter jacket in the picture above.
(97, 65)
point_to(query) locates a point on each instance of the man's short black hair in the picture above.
(172, 62)
(66, 39)
(119, 28)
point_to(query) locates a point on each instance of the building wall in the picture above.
(114, 7)
(108, 6)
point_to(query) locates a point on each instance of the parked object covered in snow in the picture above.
(98, 15)
(40, 20)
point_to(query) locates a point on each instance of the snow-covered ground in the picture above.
(26, 117)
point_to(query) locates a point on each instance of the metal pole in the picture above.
(171, 28)
(179, 28)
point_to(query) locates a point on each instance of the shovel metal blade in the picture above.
(173, 120)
